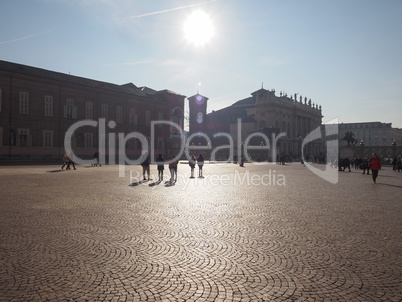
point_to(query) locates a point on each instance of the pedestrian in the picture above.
(96, 157)
(70, 161)
(200, 162)
(145, 167)
(159, 161)
(394, 162)
(65, 161)
(375, 165)
(173, 169)
(399, 165)
(191, 163)
(241, 164)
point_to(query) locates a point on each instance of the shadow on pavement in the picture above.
(134, 184)
(388, 185)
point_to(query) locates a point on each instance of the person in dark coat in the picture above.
(66, 159)
(70, 162)
(200, 162)
(96, 157)
(145, 167)
(159, 161)
(394, 162)
(191, 163)
(173, 169)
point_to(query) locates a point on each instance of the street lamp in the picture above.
(362, 148)
(261, 152)
(394, 146)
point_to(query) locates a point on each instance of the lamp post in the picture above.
(362, 148)
(394, 146)
(261, 152)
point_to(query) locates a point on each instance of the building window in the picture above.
(176, 118)
(104, 112)
(119, 114)
(89, 110)
(47, 138)
(160, 118)
(103, 141)
(24, 102)
(132, 144)
(0, 100)
(70, 111)
(23, 138)
(160, 144)
(132, 118)
(1, 136)
(88, 140)
(147, 118)
(48, 105)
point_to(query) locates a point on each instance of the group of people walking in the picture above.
(160, 162)
(67, 161)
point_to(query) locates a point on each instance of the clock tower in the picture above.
(198, 113)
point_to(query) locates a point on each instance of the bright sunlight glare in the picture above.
(198, 28)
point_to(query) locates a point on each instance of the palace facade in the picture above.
(266, 113)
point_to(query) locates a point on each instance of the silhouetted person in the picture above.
(70, 162)
(173, 170)
(200, 162)
(145, 167)
(161, 167)
(65, 160)
(394, 162)
(96, 156)
(191, 163)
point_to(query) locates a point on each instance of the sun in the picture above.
(198, 28)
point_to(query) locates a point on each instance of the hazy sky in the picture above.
(345, 55)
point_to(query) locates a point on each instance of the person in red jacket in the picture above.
(375, 165)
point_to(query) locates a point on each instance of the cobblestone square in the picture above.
(264, 232)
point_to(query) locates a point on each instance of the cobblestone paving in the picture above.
(259, 233)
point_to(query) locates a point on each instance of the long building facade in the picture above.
(38, 107)
(372, 133)
(369, 137)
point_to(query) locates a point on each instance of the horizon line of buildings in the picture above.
(38, 106)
